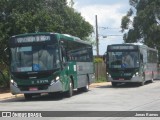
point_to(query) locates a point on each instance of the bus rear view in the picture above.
(127, 63)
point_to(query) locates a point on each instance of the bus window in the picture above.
(123, 59)
(127, 60)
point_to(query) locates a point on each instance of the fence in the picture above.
(100, 70)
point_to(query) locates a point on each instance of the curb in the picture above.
(5, 96)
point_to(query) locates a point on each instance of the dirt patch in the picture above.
(100, 84)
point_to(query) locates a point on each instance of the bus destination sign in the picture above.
(37, 38)
(122, 47)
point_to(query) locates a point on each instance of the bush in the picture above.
(98, 60)
(101, 79)
(4, 79)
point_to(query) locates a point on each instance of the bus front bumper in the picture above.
(55, 87)
(133, 79)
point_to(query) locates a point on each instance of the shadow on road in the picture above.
(124, 85)
(44, 97)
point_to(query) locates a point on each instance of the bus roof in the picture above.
(73, 38)
(135, 44)
(65, 36)
(28, 34)
(138, 44)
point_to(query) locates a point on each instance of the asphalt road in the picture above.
(100, 98)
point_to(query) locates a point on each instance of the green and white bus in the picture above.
(49, 63)
(133, 62)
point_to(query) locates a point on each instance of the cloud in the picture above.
(109, 15)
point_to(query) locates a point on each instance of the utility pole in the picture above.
(97, 46)
(97, 39)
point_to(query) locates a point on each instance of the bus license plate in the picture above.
(121, 78)
(33, 89)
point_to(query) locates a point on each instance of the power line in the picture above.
(108, 28)
(114, 35)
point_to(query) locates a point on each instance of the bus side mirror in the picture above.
(104, 58)
(6, 50)
(141, 57)
(64, 54)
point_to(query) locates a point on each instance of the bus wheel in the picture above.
(69, 93)
(114, 84)
(141, 83)
(86, 88)
(143, 80)
(28, 96)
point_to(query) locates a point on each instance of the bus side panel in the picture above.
(64, 79)
(72, 73)
(151, 71)
(85, 73)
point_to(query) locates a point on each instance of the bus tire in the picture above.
(114, 84)
(28, 96)
(143, 80)
(141, 83)
(86, 88)
(69, 93)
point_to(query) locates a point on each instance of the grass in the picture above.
(101, 79)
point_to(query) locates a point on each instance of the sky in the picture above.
(109, 14)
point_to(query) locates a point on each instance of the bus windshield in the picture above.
(34, 58)
(123, 59)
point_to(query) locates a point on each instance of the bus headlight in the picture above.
(53, 81)
(137, 74)
(13, 83)
(57, 78)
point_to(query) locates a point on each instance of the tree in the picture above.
(145, 24)
(27, 16)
